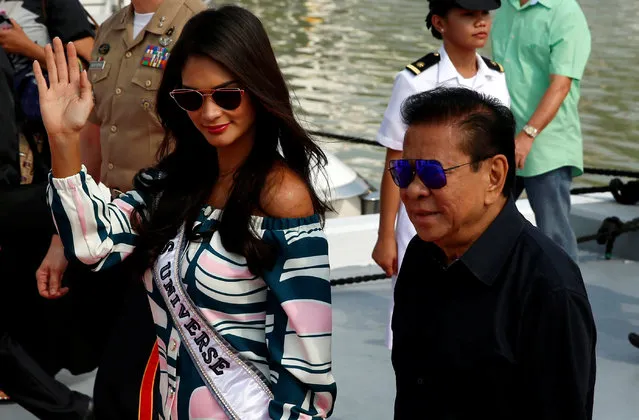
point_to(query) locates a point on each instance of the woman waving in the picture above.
(226, 230)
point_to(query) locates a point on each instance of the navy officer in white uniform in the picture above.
(464, 27)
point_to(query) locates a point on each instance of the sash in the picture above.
(238, 386)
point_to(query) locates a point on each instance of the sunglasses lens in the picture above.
(189, 100)
(431, 173)
(228, 99)
(402, 173)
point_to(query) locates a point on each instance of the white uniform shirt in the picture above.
(444, 73)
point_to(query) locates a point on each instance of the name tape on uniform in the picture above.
(97, 64)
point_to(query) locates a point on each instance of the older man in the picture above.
(491, 318)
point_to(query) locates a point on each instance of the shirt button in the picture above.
(114, 128)
(128, 54)
(110, 166)
(118, 91)
(147, 83)
(173, 345)
(146, 105)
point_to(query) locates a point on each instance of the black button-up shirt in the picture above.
(504, 332)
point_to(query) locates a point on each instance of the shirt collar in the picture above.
(491, 250)
(447, 70)
(161, 20)
(547, 3)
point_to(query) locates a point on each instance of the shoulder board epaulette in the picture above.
(493, 65)
(423, 63)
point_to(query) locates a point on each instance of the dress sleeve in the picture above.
(94, 229)
(299, 322)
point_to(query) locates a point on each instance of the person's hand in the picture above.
(49, 274)
(523, 144)
(385, 254)
(14, 41)
(67, 102)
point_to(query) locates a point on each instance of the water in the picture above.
(340, 58)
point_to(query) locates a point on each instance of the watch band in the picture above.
(530, 131)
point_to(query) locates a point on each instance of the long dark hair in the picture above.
(188, 168)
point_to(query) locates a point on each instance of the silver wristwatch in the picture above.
(530, 131)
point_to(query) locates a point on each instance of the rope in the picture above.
(588, 190)
(609, 231)
(358, 279)
(360, 140)
(604, 236)
(349, 139)
(611, 172)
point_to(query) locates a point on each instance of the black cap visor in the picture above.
(479, 4)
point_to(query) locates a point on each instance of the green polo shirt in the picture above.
(532, 42)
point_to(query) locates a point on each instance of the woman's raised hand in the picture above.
(67, 102)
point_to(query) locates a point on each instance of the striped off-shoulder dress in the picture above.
(281, 322)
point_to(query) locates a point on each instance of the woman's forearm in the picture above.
(66, 159)
(36, 52)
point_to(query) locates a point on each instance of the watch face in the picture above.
(531, 131)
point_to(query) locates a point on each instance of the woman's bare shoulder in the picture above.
(286, 194)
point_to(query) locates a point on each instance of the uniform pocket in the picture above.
(97, 75)
(148, 78)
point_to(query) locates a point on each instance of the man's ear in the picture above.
(497, 173)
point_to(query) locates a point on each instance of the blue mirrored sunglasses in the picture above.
(430, 172)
